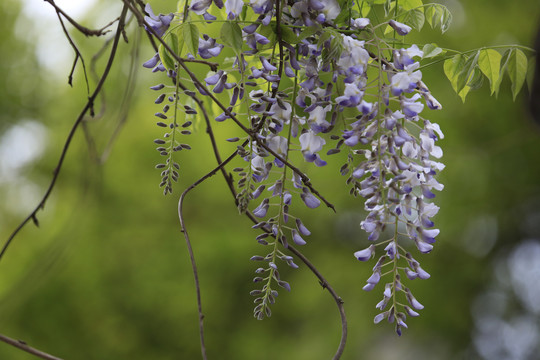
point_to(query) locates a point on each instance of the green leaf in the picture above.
(452, 67)
(489, 63)
(517, 70)
(412, 4)
(388, 7)
(364, 9)
(466, 73)
(438, 15)
(191, 38)
(346, 7)
(325, 35)
(231, 35)
(476, 80)
(174, 43)
(414, 18)
(463, 93)
(288, 35)
(432, 50)
(504, 66)
(308, 31)
(166, 59)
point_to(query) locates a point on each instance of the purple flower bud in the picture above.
(428, 235)
(374, 278)
(213, 80)
(257, 192)
(288, 71)
(287, 198)
(200, 7)
(399, 324)
(209, 17)
(261, 210)
(152, 62)
(261, 39)
(387, 291)
(382, 304)
(391, 250)
(160, 99)
(159, 23)
(411, 274)
(412, 300)
(221, 117)
(423, 247)
(297, 238)
(422, 274)
(284, 285)
(366, 254)
(410, 311)
(301, 228)
(250, 29)
(380, 317)
(368, 287)
(358, 173)
(267, 66)
(400, 28)
(157, 87)
(309, 199)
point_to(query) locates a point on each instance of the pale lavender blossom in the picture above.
(366, 254)
(233, 8)
(360, 23)
(311, 144)
(159, 23)
(400, 28)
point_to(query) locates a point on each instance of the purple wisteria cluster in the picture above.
(302, 74)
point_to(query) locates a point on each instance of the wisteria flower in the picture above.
(406, 81)
(400, 28)
(359, 23)
(317, 119)
(233, 8)
(159, 23)
(311, 144)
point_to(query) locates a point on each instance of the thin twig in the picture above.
(88, 106)
(23, 346)
(86, 31)
(78, 56)
(190, 250)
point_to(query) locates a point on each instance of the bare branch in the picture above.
(87, 108)
(19, 344)
(86, 31)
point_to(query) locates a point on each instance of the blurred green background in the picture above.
(107, 274)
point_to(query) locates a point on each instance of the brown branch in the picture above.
(86, 31)
(88, 107)
(78, 56)
(19, 344)
(190, 250)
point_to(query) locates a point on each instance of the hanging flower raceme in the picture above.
(314, 73)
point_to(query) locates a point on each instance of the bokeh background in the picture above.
(107, 275)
